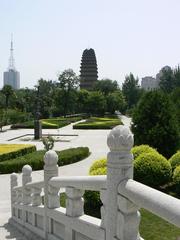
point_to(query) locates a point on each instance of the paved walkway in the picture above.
(94, 139)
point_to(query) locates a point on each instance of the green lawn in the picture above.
(152, 227)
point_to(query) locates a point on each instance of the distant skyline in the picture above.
(128, 36)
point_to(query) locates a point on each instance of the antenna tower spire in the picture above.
(11, 59)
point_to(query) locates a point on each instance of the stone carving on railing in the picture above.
(119, 167)
(14, 183)
(36, 196)
(74, 202)
(26, 178)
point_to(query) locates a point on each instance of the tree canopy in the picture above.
(106, 86)
(131, 90)
(155, 123)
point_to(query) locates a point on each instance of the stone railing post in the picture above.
(26, 178)
(74, 202)
(36, 196)
(50, 170)
(13, 192)
(26, 192)
(74, 208)
(119, 167)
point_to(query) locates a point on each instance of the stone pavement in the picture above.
(94, 139)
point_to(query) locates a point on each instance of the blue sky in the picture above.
(137, 36)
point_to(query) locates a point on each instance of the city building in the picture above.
(150, 83)
(12, 76)
(88, 69)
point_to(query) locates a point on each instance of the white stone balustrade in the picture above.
(121, 197)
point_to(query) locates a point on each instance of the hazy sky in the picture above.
(137, 36)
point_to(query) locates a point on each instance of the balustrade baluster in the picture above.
(36, 196)
(74, 202)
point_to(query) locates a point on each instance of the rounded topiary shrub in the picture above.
(92, 198)
(175, 160)
(152, 169)
(176, 178)
(98, 167)
(137, 150)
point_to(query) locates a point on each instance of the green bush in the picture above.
(152, 169)
(175, 160)
(137, 150)
(35, 159)
(92, 198)
(176, 178)
(23, 150)
(101, 163)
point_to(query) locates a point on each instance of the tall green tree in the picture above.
(46, 96)
(175, 97)
(82, 98)
(68, 83)
(8, 92)
(176, 73)
(131, 90)
(106, 86)
(167, 80)
(115, 102)
(96, 103)
(155, 123)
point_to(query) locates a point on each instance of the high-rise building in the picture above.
(88, 70)
(12, 76)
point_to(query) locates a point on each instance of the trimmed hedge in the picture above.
(138, 150)
(49, 123)
(176, 179)
(35, 159)
(98, 123)
(10, 151)
(152, 169)
(175, 160)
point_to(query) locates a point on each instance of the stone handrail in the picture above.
(94, 183)
(39, 184)
(120, 195)
(161, 204)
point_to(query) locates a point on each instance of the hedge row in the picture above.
(49, 123)
(98, 123)
(10, 151)
(35, 159)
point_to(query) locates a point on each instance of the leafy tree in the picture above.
(115, 101)
(46, 97)
(82, 97)
(68, 80)
(175, 97)
(166, 79)
(8, 91)
(131, 90)
(3, 119)
(155, 124)
(106, 86)
(68, 83)
(176, 73)
(96, 103)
